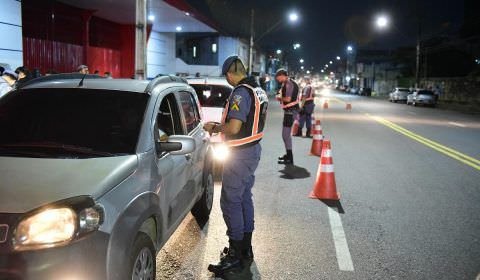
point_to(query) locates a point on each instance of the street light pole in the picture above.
(417, 57)
(250, 54)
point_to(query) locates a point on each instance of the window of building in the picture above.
(214, 48)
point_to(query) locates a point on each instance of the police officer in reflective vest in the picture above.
(307, 108)
(242, 127)
(288, 97)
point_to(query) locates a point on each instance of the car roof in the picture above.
(209, 81)
(96, 82)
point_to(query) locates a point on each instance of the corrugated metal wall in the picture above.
(48, 55)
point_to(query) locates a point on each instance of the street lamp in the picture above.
(301, 60)
(326, 65)
(338, 58)
(292, 17)
(382, 22)
(279, 51)
(331, 62)
(349, 48)
(302, 67)
(296, 46)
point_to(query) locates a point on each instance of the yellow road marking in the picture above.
(463, 158)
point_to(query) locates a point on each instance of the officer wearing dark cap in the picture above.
(242, 127)
(288, 97)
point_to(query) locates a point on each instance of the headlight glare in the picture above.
(47, 227)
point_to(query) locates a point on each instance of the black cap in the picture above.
(281, 72)
(228, 62)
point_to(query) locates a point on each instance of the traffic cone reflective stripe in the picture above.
(325, 186)
(325, 105)
(349, 106)
(316, 148)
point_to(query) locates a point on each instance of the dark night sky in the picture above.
(327, 26)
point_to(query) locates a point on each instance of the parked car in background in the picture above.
(422, 97)
(97, 174)
(399, 94)
(354, 90)
(365, 91)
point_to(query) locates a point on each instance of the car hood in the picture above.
(28, 183)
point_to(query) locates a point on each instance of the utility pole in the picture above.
(417, 64)
(140, 38)
(250, 53)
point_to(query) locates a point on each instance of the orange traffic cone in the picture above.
(316, 148)
(349, 106)
(295, 126)
(317, 127)
(325, 104)
(325, 186)
(314, 122)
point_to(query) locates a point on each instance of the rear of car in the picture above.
(213, 94)
(399, 94)
(424, 97)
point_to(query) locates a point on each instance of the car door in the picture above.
(194, 128)
(173, 169)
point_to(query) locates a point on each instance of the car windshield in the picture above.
(79, 123)
(425, 92)
(403, 90)
(212, 95)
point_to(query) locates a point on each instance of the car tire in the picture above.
(142, 258)
(201, 210)
(394, 101)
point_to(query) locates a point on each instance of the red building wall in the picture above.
(53, 40)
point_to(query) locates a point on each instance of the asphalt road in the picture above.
(409, 180)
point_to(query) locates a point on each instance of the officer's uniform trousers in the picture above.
(236, 198)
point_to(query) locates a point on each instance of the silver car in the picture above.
(399, 94)
(96, 174)
(422, 97)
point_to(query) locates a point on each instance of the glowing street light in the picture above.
(302, 67)
(338, 58)
(301, 60)
(178, 28)
(279, 51)
(308, 71)
(322, 70)
(382, 22)
(326, 65)
(296, 46)
(293, 17)
(349, 48)
(331, 62)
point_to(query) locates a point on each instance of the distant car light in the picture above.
(220, 152)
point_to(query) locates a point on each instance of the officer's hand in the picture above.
(209, 127)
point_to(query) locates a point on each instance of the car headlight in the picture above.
(57, 225)
(47, 227)
(220, 152)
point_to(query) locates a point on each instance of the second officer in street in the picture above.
(307, 107)
(242, 126)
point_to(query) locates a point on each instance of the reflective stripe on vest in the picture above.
(255, 136)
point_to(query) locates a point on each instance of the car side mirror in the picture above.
(176, 145)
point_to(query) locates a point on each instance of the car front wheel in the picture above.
(142, 258)
(203, 207)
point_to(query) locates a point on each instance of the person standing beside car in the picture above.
(288, 97)
(7, 81)
(242, 126)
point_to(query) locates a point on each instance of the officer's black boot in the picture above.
(282, 157)
(231, 262)
(307, 135)
(299, 133)
(288, 158)
(247, 252)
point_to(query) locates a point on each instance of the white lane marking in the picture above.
(457, 124)
(341, 247)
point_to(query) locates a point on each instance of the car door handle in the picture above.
(188, 157)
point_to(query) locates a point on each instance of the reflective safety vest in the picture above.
(296, 97)
(251, 131)
(310, 96)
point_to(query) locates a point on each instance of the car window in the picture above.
(404, 90)
(425, 92)
(212, 95)
(168, 118)
(190, 111)
(71, 122)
